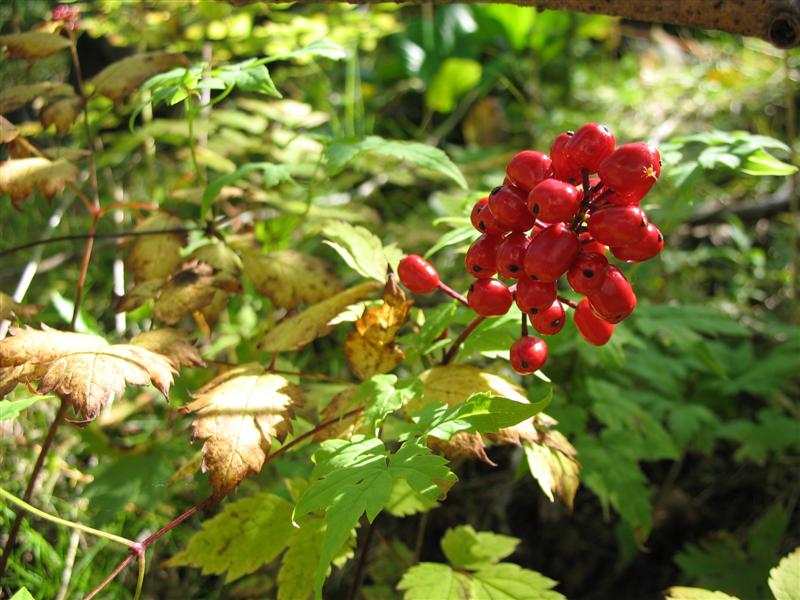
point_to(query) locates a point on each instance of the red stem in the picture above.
(453, 351)
(452, 293)
(111, 577)
(568, 302)
(524, 330)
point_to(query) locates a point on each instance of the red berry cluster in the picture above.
(69, 15)
(550, 218)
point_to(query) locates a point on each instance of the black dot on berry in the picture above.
(477, 268)
(533, 311)
(513, 268)
(524, 364)
(481, 225)
(643, 223)
(495, 190)
(555, 323)
(660, 163)
(472, 288)
(570, 132)
(660, 238)
(534, 277)
(535, 209)
(605, 128)
(588, 274)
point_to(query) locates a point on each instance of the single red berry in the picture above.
(511, 254)
(563, 168)
(489, 297)
(590, 146)
(534, 296)
(612, 198)
(482, 218)
(527, 168)
(509, 207)
(550, 320)
(593, 330)
(417, 274)
(645, 249)
(631, 170)
(481, 259)
(587, 272)
(618, 225)
(551, 252)
(589, 244)
(528, 354)
(614, 300)
(554, 200)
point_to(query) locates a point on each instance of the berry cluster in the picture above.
(551, 218)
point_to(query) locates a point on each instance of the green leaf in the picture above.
(554, 471)
(686, 323)
(761, 163)
(273, 175)
(784, 580)
(361, 249)
(468, 549)
(10, 409)
(508, 581)
(688, 593)
(249, 76)
(22, 594)
(718, 155)
(456, 76)
(459, 235)
(324, 48)
(249, 533)
(380, 398)
(426, 581)
(341, 152)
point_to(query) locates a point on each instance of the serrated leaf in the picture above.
(342, 152)
(237, 414)
(171, 343)
(289, 278)
(454, 237)
(315, 321)
(508, 581)
(689, 593)
(468, 549)
(249, 76)
(554, 467)
(22, 594)
(784, 580)
(120, 79)
(20, 177)
(155, 256)
(33, 45)
(10, 309)
(426, 581)
(17, 96)
(246, 535)
(10, 409)
(340, 404)
(361, 249)
(452, 384)
(272, 175)
(61, 112)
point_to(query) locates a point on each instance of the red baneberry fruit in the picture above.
(614, 300)
(481, 258)
(534, 296)
(482, 218)
(593, 330)
(645, 249)
(550, 320)
(489, 297)
(417, 274)
(587, 272)
(553, 200)
(551, 252)
(527, 168)
(631, 170)
(528, 354)
(563, 168)
(590, 146)
(511, 254)
(509, 207)
(589, 244)
(618, 225)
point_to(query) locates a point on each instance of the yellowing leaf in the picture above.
(173, 344)
(237, 416)
(17, 96)
(689, 593)
(552, 463)
(193, 287)
(370, 349)
(289, 278)
(345, 427)
(32, 45)
(155, 256)
(297, 331)
(120, 79)
(84, 370)
(9, 309)
(137, 295)
(61, 112)
(452, 384)
(784, 580)
(8, 130)
(461, 445)
(19, 178)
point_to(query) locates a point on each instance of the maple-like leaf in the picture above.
(32, 45)
(552, 463)
(16, 96)
(173, 344)
(120, 79)
(155, 256)
(10, 309)
(289, 278)
(20, 177)
(315, 321)
(469, 549)
(84, 370)
(237, 414)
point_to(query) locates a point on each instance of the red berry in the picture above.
(554, 200)
(511, 254)
(645, 249)
(550, 320)
(618, 225)
(594, 330)
(482, 218)
(533, 296)
(563, 168)
(528, 354)
(587, 272)
(631, 170)
(417, 274)
(551, 252)
(489, 297)
(614, 300)
(590, 146)
(527, 168)
(613, 198)
(589, 244)
(509, 206)
(481, 259)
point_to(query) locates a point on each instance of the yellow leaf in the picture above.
(8, 131)
(554, 467)
(289, 278)
(19, 178)
(297, 331)
(173, 344)
(120, 79)
(452, 384)
(9, 309)
(84, 370)
(32, 45)
(17, 96)
(237, 416)
(155, 256)
(61, 112)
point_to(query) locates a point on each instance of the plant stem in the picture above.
(443, 287)
(524, 328)
(140, 578)
(362, 561)
(190, 122)
(310, 433)
(587, 200)
(87, 256)
(111, 577)
(453, 350)
(567, 301)
(423, 525)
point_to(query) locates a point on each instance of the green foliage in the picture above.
(10, 409)
(784, 579)
(22, 594)
(361, 249)
(465, 548)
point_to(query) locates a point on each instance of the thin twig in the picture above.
(69, 564)
(308, 434)
(362, 561)
(392, 550)
(567, 301)
(453, 350)
(111, 577)
(87, 257)
(452, 293)
(423, 525)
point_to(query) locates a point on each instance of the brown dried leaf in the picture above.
(552, 463)
(155, 256)
(9, 309)
(461, 445)
(120, 79)
(297, 331)
(172, 343)
(8, 130)
(17, 96)
(346, 427)
(191, 288)
(289, 278)
(237, 415)
(137, 295)
(61, 112)
(33, 45)
(18, 178)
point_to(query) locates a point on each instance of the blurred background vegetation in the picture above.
(686, 424)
